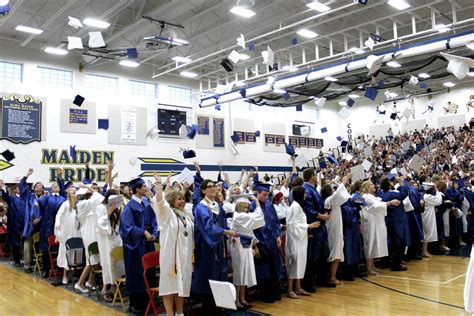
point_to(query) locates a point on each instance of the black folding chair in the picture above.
(74, 255)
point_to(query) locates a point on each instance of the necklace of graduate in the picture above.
(182, 219)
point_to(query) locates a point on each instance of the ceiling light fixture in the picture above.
(424, 75)
(394, 64)
(470, 45)
(329, 78)
(96, 23)
(243, 12)
(180, 59)
(55, 51)
(280, 91)
(399, 4)
(318, 6)
(188, 74)
(449, 84)
(353, 96)
(343, 103)
(307, 33)
(470, 74)
(129, 63)
(27, 29)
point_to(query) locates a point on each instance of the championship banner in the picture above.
(319, 143)
(218, 129)
(77, 116)
(250, 137)
(21, 119)
(279, 140)
(269, 139)
(293, 140)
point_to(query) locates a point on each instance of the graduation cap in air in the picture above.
(234, 137)
(96, 40)
(227, 64)
(188, 153)
(192, 131)
(320, 102)
(371, 93)
(324, 130)
(344, 143)
(78, 100)
(257, 133)
(103, 124)
(333, 160)
(251, 46)
(458, 66)
(413, 81)
(285, 96)
(132, 53)
(74, 22)
(74, 42)
(374, 63)
(350, 102)
(339, 138)
(393, 116)
(217, 107)
(290, 150)
(136, 183)
(8, 155)
(380, 84)
(243, 92)
(299, 107)
(423, 85)
(370, 43)
(294, 41)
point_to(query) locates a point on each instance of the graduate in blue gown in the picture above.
(396, 220)
(137, 241)
(268, 266)
(16, 218)
(415, 223)
(469, 195)
(455, 195)
(210, 228)
(350, 211)
(32, 218)
(318, 245)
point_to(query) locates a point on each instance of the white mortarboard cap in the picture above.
(344, 112)
(373, 64)
(407, 113)
(268, 56)
(305, 130)
(96, 40)
(241, 41)
(370, 43)
(224, 294)
(74, 42)
(301, 161)
(75, 23)
(458, 66)
(320, 102)
(413, 81)
(234, 57)
(183, 132)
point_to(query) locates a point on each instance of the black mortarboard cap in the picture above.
(187, 154)
(78, 100)
(8, 155)
(135, 183)
(393, 116)
(344, 143)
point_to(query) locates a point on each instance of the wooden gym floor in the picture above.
(432, 286)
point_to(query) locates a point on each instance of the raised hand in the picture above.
(29, 172)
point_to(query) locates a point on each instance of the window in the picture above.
(101, 82)
(179, 95)
(11, 72)
(55, 77)
(142, 88)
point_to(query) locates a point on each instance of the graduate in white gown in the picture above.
(333, 199)
(176, 247)
(431, 199)
(374, 230)
(108, 237)
(86, 212)
(469, 286)
(66, 225)
(241, 252)
(297, 243)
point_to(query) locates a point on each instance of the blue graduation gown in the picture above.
(196, 196)
(16, 218)
(352, 236)
(318, 246)
(210, 262)
(414, 217)
(396, 219)
(31, 210)
(470, 199)
(455, 224)
(49, 206)
(132, 231)
(267, 245)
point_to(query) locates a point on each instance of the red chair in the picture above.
(151, 260)
(53, 248)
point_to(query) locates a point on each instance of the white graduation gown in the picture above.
(66, 225)
(374, 230)
(281, 210)
(469, 286)
(334, 224)
(176, 250)
(242, 258)
(107, 239)
(296, 247)
(428, 217)
(86, 213)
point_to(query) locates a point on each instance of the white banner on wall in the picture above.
(128, 127)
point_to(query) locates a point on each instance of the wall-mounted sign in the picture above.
(21, 119)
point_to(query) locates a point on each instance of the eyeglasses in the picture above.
(210, 186)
